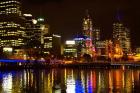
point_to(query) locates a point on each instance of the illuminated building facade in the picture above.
(12, 30)
(32, 31)
(35, 31)
(87, 32)
(122, 34)
(96, 39)
(44, 28)
(101, 46)
(96, 34)
(52, 44)
(70, 49)
(80, 44)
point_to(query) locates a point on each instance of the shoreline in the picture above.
(86, 65)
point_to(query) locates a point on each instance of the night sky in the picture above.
(65, 16)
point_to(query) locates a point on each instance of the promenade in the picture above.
(18, 64)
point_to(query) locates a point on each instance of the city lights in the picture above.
(70, 42)
(34, 21)
(33, 36)
(8, 49)
(40, 19)
(69, 46)
(30, 15)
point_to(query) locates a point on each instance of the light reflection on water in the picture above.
(70, 81)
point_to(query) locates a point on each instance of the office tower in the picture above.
(70, 49)
(80, 44)
(33, 32)
(122, 35)
(87, 26)
(96, 34)
(87, 32)
(96, 37)
(11, 24)
(97, 40)
(44, 29)
(52, 44)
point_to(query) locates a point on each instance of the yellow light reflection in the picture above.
(110, 81)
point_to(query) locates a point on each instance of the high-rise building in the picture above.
(33, 32)
(122, 34)
(96, 34)
(87, 32)
(96, 37)
(70, 49)
(80, 44)
(12, 30)
(87, 26)
(52, 44)
(44, 28)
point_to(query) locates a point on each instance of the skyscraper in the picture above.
(32, 31)
(87, 32)
(122, 34)
(44, 28)
(52, 44)
(87, 26)
(96, 34)
(11, 24)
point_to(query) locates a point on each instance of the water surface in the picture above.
(70, 81)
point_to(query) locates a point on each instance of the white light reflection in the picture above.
(70, 86)
(7, 83)
(57, 91)
(70, 83)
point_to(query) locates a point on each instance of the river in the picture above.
(70, 81)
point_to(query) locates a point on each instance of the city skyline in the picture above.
(65, 17)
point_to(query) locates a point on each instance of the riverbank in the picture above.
(42, 65)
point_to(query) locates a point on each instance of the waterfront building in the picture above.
(117, 50)
(32, 31)
(12, 29)
(101, 47)
(52, 44)
(44, 28)
(105, 49)
(97, 39)
(122, 34)
(35, 31)
(96, 34)
(70, 49)
(87, 32)
(80, 44)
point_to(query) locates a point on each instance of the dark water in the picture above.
(70, 81)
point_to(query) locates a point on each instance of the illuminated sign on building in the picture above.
(29, 15)
(70, 42)
(7, 49)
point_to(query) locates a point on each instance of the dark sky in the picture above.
(65, 16)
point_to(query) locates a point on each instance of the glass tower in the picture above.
(12, 30)
(122, 34)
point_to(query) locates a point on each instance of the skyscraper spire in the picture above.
(87, 25)
(118, 15)
(87, 13)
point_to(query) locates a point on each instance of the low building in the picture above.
(70, 49)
